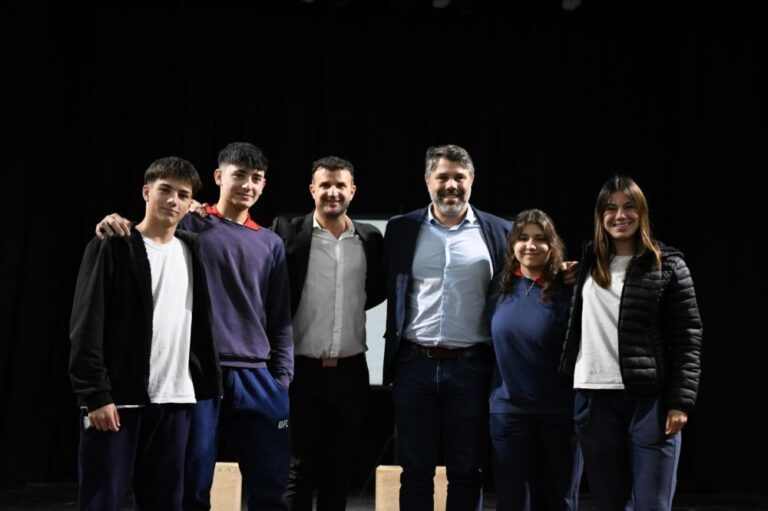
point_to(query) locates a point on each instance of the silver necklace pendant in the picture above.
(528, 290)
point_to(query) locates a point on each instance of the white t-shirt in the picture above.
(171, 268)
(597, 366)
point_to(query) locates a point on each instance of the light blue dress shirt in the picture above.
(451, 271)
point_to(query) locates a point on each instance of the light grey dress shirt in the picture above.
(330, 318)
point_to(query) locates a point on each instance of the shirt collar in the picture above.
(539, 281)
(249, 223)
(316, 225)
(470, 217)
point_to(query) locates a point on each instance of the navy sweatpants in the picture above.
(630, 462)
(253, 419)
(536, 462)
(147, 453)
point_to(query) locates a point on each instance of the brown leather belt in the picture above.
(329, 362)
(438, 352)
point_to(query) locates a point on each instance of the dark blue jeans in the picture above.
(441, 407)
(253, 419)
(630, 462)
(147, 453)
(536, 462)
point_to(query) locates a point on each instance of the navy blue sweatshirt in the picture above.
(250, 295)
(528, 337)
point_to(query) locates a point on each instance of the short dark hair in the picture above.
(332, 163)
(243, 154)
(173, 167)
(450, 152)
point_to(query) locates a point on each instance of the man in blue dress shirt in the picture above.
(440, 260)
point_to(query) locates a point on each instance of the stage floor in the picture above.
(61, 497)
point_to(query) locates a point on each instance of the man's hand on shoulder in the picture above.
(198, 209)
(113, 225)
(570, 270)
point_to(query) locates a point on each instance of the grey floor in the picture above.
(59, 497)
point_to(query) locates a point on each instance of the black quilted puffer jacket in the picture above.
(659, 329)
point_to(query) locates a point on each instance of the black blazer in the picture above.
(297, 236)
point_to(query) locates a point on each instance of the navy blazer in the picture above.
(297, 236)
(400, 246)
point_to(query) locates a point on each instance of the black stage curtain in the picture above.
(548, 102)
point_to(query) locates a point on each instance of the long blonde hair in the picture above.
(602, 243)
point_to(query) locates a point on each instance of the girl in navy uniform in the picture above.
(535, 457)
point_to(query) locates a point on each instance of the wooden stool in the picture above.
(388, 488)
(227, 489)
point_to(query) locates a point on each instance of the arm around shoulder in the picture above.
(113, 225)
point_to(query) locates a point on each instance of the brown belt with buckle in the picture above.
(438, 352)
(328, 362)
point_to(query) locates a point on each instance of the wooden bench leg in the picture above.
(227, 489)
(388, 488)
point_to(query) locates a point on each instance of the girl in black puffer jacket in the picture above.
(632, 354)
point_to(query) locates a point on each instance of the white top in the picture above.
(452, 268)
(330, 318)
(171, 268)
(597, 366)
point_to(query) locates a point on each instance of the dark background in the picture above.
(548, 103)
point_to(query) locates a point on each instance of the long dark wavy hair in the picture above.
(552, 284)
(602, 243)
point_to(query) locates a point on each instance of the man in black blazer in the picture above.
(336, 274)
(440, 261)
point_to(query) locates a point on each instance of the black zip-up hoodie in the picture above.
(111, 325)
